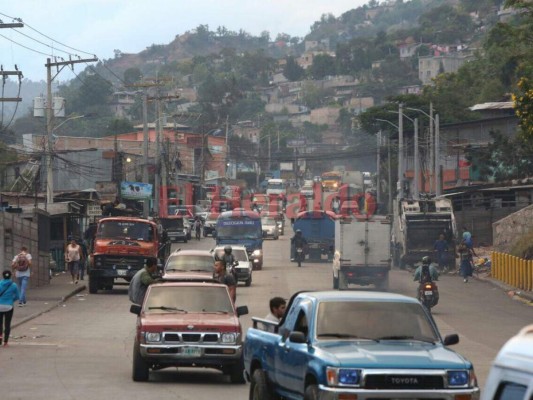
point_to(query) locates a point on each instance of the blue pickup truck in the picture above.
(355, 345)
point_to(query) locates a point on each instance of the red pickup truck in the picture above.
(188, 324)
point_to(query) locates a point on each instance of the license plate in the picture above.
(122, 272)
(428, 293)
(191, 351)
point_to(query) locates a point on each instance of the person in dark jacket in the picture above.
(9, 294)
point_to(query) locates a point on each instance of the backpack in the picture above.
(21, 263)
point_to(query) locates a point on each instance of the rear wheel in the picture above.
(140, 370)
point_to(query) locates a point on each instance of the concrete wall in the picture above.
(15, 232)
(507, 230)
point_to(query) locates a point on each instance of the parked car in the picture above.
(244, 268)
(210, 224)
(188, 324)
(511, 374)
(189, 265)
(270, 227)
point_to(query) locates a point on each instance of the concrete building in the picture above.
(431, 66)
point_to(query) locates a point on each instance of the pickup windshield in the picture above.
(192, 299)
(374, 321)
(239, 231)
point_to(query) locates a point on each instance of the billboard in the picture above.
(286, 166)
(135, 190)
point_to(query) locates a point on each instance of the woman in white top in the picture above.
(73, 256)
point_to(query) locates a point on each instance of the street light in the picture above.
(434, 150)
(389, 177)
(49, 170)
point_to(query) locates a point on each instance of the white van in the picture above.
(511, 375)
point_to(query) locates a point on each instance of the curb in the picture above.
(512, 291)
(50, 307)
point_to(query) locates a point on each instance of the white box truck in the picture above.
(362, 252)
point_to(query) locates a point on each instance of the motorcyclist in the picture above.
(229, 260)
(297, 241)
(427, 273)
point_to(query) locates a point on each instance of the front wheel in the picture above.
(236, 373)
(311, 392)
(140, 370)
(93, 285)
(248, 281)
(259, 387)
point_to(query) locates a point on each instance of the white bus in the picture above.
(276, 186)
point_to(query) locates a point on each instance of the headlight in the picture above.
(229, 337)
(343, 376)
(256, 253)
(153, 336)
(458, 378)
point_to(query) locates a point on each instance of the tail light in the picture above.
(428, 286)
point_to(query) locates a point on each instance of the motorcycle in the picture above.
(299, 255)
(428, 294)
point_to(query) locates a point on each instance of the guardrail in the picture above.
(514, 271)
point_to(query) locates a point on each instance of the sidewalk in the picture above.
(45, 298)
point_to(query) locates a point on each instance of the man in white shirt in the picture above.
(21, 265)
(277, 309)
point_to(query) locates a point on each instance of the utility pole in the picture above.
(146, 202)
(226, 162)
(438, 177)
(400, 151)
(4, 75)
(431, 149)
(49, 118)
(417, 163)
(378, 168)
(389, 174)
(269, 150)
(157, 180)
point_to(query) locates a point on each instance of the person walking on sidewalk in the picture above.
(9, 293)
(22, 266)
(73, 257)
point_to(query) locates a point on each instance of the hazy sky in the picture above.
(100, 26)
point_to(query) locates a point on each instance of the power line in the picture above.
(26, 47)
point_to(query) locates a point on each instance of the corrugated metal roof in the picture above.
(501, 105)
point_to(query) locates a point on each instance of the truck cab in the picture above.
(121, 247)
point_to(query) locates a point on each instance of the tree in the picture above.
(132, 75)
(292, 71)
(323, 65)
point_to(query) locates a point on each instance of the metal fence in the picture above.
(514, 271)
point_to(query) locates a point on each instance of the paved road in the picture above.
(82, 350)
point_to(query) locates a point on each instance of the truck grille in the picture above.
(134, 262)
(185, 337)
(403, 382)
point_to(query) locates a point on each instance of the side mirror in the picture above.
(297, 337)
(135, 309)
(236, 263)
(451, 339)
(242, 310)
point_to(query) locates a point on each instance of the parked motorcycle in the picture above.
(428, 294)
